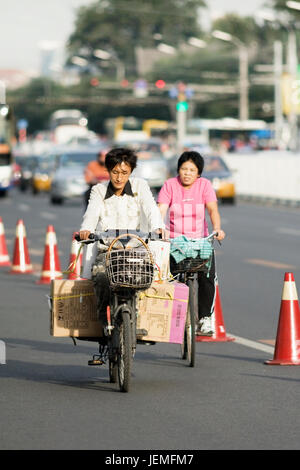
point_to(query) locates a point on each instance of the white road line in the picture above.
(288, 231)
(48, 215)
(24, 207)
(253, 344)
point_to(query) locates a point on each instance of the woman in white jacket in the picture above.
(124, 202)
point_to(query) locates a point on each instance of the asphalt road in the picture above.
(51, 399)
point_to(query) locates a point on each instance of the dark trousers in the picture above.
(207, 291)
(101, 285)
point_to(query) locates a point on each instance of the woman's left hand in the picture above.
(220, 235)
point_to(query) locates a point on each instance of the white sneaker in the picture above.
(205, 327)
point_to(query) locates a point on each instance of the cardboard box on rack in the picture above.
(74, 309)
(162, 312)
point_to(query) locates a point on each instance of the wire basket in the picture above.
(130, 267)
(190, 265)
(193, 258)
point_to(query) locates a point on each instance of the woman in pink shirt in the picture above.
(183, 202)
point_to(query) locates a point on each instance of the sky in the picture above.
(25, 24)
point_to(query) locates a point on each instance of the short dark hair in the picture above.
(192, 156)
(119, 155)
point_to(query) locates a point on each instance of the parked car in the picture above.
(68, 181)
(216, 170)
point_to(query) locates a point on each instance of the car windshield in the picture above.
(77, 159)
(45, 163)
(26, 162)
(214, 165)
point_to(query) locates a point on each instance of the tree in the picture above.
(118, 26)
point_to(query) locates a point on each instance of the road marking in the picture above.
(35, 251)
(289, 231)
(23, 207)
(269, 264)
(253, 344)
(48, 215)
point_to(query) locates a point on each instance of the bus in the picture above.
(229, 134)
(66, 124)
(6, 157)
(125, 129)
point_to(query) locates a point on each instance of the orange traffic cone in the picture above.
(287, 346)
(218, 324)
(21, 260)
(4, 257)
(75, 264)
(51, 264)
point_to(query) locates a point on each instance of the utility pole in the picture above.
(292, 67)
(244, 84)
(277, 91)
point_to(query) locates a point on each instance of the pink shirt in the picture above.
(186, 215)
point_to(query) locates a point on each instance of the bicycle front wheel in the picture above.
(189, 334)
(125, 352)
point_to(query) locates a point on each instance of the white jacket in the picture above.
(137, 211)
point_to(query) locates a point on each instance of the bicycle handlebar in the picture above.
(100, 236)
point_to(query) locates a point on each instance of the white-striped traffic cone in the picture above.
(21, 259)
(51, 264)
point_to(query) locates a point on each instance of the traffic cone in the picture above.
(74, 273)
(51, 264)
(21, 260)
(4, 257)
(218, 323)
(287, 346)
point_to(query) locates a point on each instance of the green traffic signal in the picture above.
(182, 106)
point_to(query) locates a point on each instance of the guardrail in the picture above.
(266, 175)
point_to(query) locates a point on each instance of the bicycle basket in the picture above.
(190, 255)
(130, 267)
(190, 265)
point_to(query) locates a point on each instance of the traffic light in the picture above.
(160, 84)
(182, 106)
(94, 81)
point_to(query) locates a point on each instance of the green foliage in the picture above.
(119, 26)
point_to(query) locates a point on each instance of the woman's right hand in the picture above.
(84, 234)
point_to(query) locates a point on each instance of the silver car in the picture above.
(152, 165)
(68, 181)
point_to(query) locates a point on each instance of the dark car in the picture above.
(27, 166)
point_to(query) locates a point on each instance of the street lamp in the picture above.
(105, 55)
(196, 42)
(80, 61)
(166, 49)
(293, 5)
(243, 70)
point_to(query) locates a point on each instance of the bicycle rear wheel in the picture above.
(125, 352)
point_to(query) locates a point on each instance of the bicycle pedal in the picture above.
(95, 362)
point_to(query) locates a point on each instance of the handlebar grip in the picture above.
(77, 237)
(92, 236)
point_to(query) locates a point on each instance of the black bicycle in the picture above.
(129, 267)
(187, 269)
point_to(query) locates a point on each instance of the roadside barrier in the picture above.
(21, 259)
(287, 346)
(4, 256)
(51, 264)
(218, 324)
